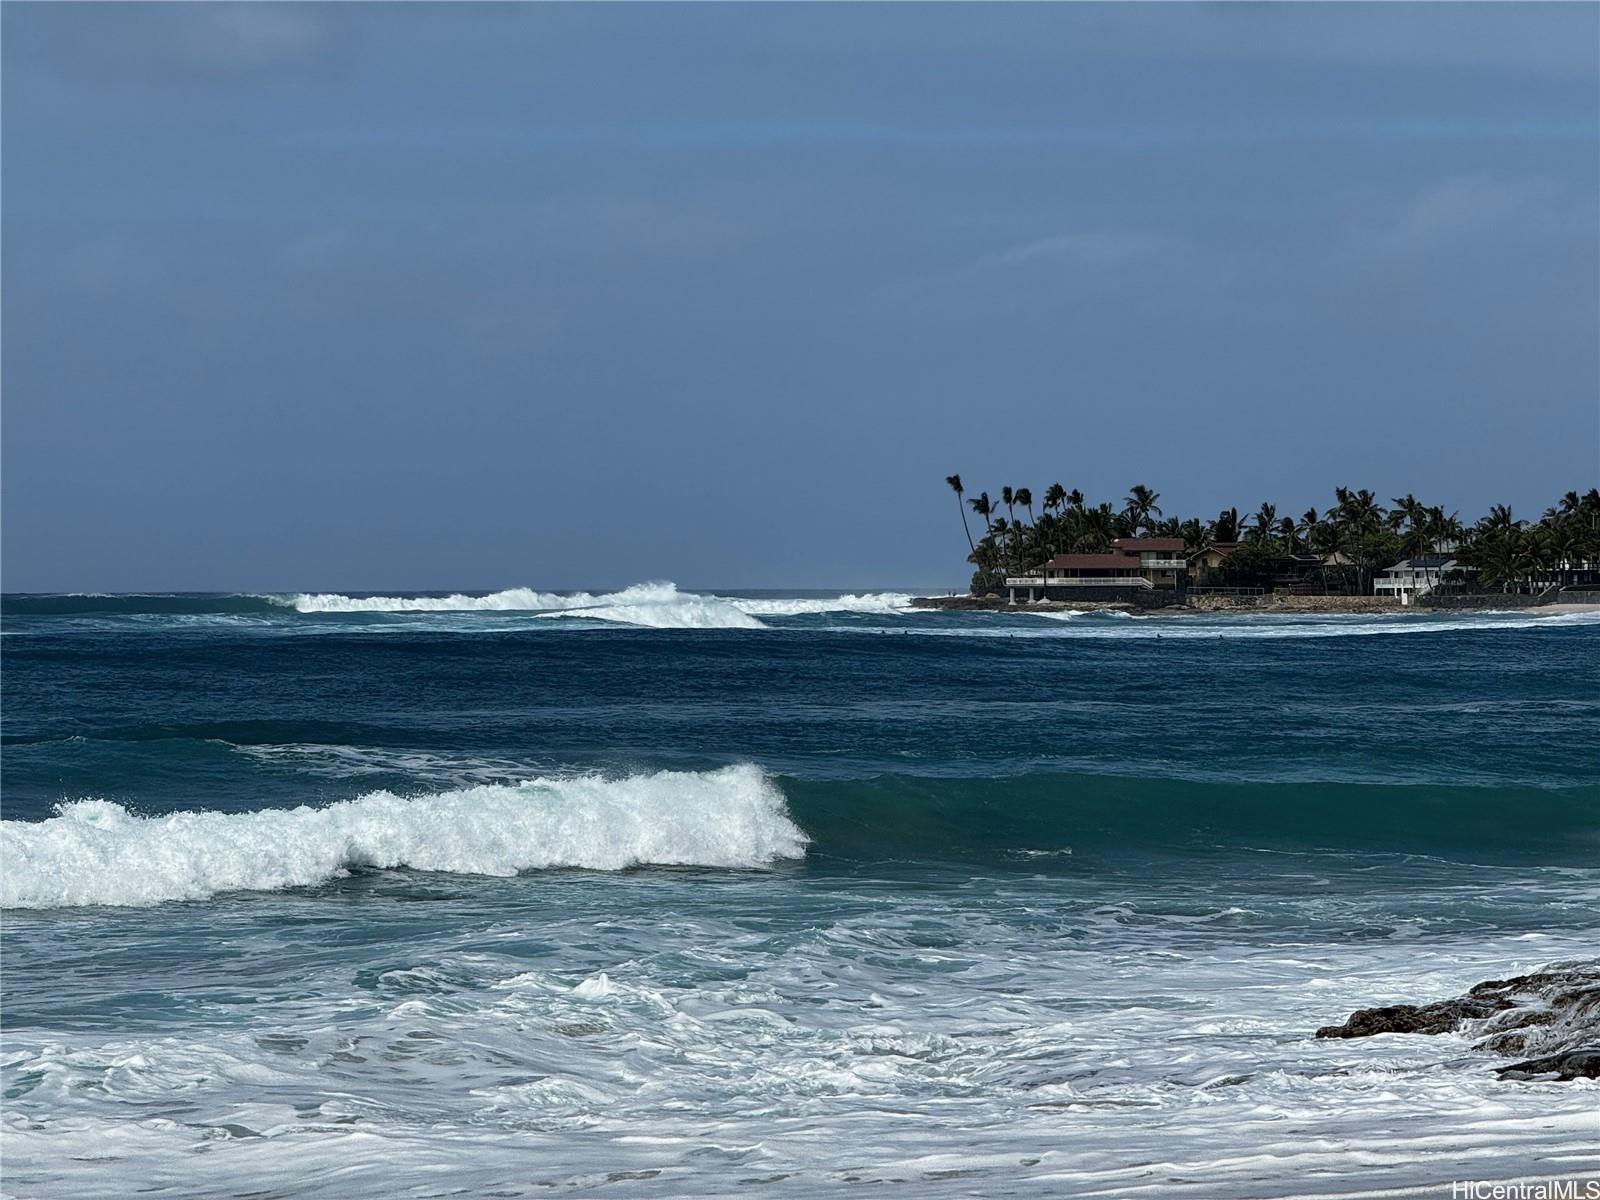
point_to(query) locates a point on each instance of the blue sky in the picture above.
(389, 296)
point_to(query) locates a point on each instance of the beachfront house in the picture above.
(1295, 572)
(1221, 564)
(1211, 558)
(1414, 578)
(1140, 564)
(1161, 560)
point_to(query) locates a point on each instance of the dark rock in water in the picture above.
(1553, 1015)
(1443, 1017)
(1509, 1038)
(1574, 1064)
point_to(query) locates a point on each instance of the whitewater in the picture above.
(664, 606)
(657, 892)
(653, 605)
(97, 852)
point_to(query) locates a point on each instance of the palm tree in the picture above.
(1503, 558)
(1568, 504)
(1416, 517)
(955, 486)
(1323, 539)
(1008, 497)
(1406, 508)
(1096, 527)
(1500, 520)
(1055, 499)
(1565, 543)
(1360, 519)
(1307, 525)
(1266, 519)
(1025, 498)
(1448, 532)
(985, 509)
(1500, 549)
(1140, 505)
(1001, 530)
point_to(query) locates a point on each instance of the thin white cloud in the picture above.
(1157, 267)
(1484, 205)
(1085, 248)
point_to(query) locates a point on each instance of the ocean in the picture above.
(656, 893)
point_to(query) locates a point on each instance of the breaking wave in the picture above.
(655, 605)
(97, 852)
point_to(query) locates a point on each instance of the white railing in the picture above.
(1165, 564)
(1102, 581)
(1038, 581)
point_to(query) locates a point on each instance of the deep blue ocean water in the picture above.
(656, 893)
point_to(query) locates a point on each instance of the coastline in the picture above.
(1318, 605)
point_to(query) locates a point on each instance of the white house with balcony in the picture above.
(1161, 560)
(1414, 578)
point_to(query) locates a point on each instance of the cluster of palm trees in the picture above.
(1512, 554)
(1352, 539)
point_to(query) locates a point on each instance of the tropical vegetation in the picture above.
(1350, 541)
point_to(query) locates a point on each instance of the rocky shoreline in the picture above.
(1270, 603)
(1167, 606)
(1549, 1020)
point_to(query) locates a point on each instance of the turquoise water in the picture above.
(655, 893)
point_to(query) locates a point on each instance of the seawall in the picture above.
(1168, 602)
(1284, 602)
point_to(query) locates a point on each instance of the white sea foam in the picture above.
(97, 852)
(656, 605)
(690, 1042)
(652, 605)
(418, 766)
(1091, 614)
(675, 610)
(876, 603)
(1280, 625)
